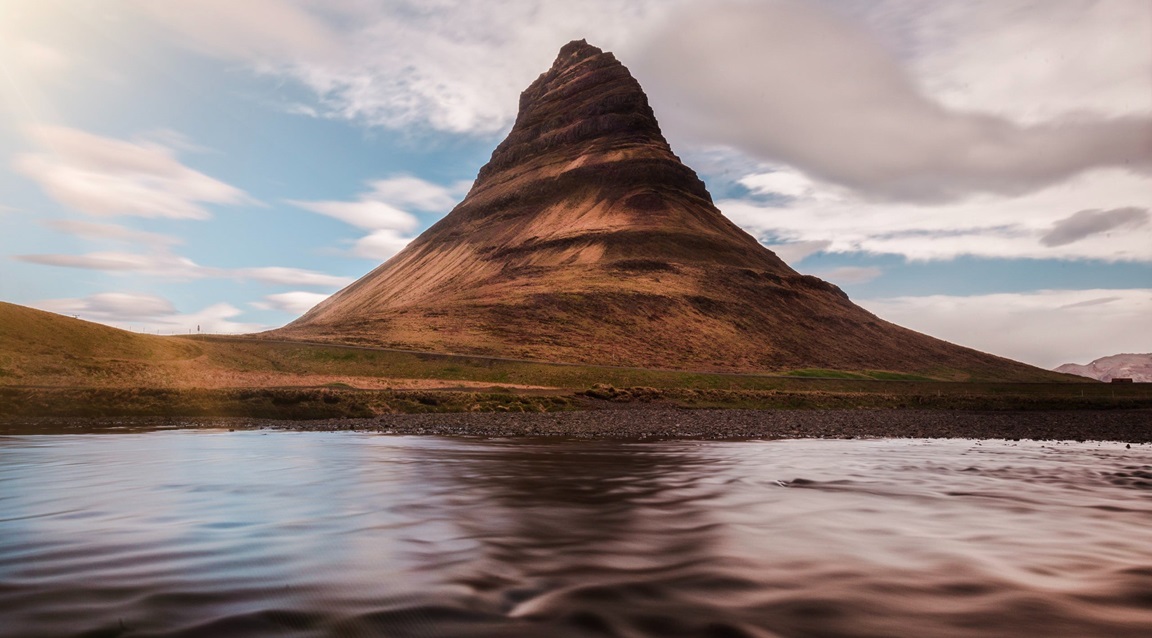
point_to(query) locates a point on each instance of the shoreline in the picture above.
(659, 423)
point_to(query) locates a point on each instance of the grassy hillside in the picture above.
(42, 348)
(56, 365)
(39, 347)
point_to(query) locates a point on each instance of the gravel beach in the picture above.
(1133, 426)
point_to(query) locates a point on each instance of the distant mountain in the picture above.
(1137, 367)
(586, 239)
(44, 348)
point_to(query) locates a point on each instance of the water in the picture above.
(213, 533)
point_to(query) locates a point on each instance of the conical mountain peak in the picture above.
(586, 239)
(575, 51)
(587, 106)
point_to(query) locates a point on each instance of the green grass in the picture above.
(98, 370)
(264, 403)
(330, 403)
(816, 373)
(879, 375)
(325, 359)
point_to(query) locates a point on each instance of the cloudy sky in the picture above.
(977, 170)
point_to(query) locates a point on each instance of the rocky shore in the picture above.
(1133, 426)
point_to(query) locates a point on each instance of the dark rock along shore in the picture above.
(1133, 426)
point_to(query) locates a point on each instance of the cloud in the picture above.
(241, 30)
(1030, 61)
(796, 252)
(381, 210)
(166, 265)
(1100, 301)
(102, 176)
(295, 302)
(985, 226)
(851, 274)
(382, 206)
(291, 277)
(158, 264)
(782, 182)
(365, 213)
(452, 65)
(455, 65)
(413, 192)
(1093, 222)
(149, 313)
(31, 56)
(1044, 328)
(380, 245)
(114, 306)
(795, 84)
(114, 232)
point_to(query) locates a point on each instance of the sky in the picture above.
(980, 171)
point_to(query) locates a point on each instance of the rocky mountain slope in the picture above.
(1137, 367)
(585, 239)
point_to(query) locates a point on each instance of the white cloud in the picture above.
(381, 210)
(790, 83)
(983, 226)
(149, 313)
(364, 213)
(112, 306)
(31, 56)
(267, 32)
(779, 182)
(796, 252)
(1045, 328)
(296, 302)
(382, 207)
(850, 274)
(167, 265)
(451, 65)
(113, 232)
(380, 245)
(413, 192)
(156, 264)
(1032, 61)
(105, 177)
(216, 318)
(291, 277)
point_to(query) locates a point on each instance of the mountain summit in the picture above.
(586, 239)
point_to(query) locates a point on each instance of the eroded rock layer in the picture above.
(586, 239)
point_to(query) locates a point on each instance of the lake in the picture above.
(273, 533)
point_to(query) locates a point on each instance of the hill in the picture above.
(51, 365)
(1137, 367)
(50, 349)
(586, 239)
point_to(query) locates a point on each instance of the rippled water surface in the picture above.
(212, 533)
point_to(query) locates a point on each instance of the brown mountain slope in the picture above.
(585, 239)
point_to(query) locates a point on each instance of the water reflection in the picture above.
(205, 534)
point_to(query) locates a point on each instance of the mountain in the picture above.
(1137, 367)
(586, 239)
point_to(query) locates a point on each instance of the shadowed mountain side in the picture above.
(585, 239)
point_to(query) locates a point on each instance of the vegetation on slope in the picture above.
(56, 365)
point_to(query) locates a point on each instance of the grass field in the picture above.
(59, 366)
